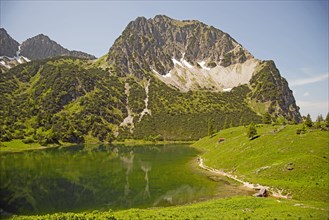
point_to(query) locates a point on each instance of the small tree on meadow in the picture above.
(308, 121)
(252, 131)
(327, 121)
(318, 121)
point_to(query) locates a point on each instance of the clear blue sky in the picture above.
(292, 33)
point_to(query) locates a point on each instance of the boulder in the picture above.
(262, 192)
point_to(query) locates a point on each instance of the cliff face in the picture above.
(153, 44)
(8, 46)
(269, 87)
(189, 55)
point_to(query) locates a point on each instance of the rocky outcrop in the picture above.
(190, 55)
(41, 47)
(154, 44)
(8, 46)
(269, 87)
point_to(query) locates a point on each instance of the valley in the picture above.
(177, 120)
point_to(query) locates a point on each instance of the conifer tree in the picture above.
(308, 121)
(252, 131)
(327, 121)
(267, 118)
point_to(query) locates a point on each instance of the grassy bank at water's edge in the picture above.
(297, 164)
(230, 208)
(280, 158)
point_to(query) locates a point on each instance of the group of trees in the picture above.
(320, 123)
(65, 99)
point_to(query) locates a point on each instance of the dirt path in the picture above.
(272, 191)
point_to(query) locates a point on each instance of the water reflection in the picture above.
(87, 177)
(128, 162)
(146, 167)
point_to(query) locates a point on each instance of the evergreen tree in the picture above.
(327, 121)
(252, 131)
(318, 122)
(267, 118)
(210, 128)
(308, 121)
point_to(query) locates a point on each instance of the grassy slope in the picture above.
(308, 181)
(231, 208)
(279, 158)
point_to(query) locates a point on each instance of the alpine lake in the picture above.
(102, 177)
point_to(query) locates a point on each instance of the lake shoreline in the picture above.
(16, 146)
(273, 192)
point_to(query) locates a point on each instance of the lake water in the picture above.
(102, 177)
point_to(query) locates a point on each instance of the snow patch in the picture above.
(176, 62)
(202, 64)
(227, 89)
(218, 78)
(186, 63)
(4, 64)
(168, 75)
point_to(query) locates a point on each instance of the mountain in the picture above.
(161, 79)
(41, 47)
(170, 47)
(189, 55)
(8, 46)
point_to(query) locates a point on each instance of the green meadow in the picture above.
(296, 164)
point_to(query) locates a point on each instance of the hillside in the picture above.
(296, 164)
(129, 93)
(67, 99)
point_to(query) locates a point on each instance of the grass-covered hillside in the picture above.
(67, 99)
(298, 164)
(230, 208)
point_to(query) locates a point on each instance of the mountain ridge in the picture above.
(38, 47)
(121, 95)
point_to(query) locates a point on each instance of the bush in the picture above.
(28, 140)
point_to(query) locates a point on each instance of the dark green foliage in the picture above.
(308, 121)
(66, 99)
(252, 131)
(327, 121)
(210, 128)
(318, 121)
(267, 118)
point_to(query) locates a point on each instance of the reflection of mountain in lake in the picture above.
(128, 162)
(146, 167)
(100, 177)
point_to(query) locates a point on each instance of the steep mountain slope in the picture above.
(8, 46)
(41, 47)
(158, 44)
(38, 47)
(162, 79)
(190, 56)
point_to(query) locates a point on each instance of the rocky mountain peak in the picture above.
(8, 46)
(41, 47)
(153, 44)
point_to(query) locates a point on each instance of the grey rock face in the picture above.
(8, 46)
(41, 47)
(270, 87)
(148, 44)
